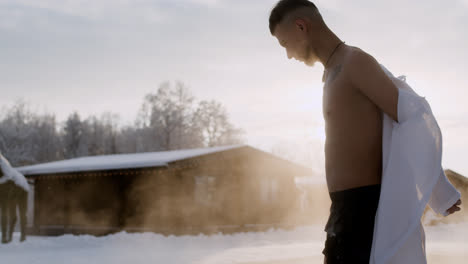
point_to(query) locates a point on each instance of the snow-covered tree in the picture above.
(46, 139)
(101, 134)
(16, 134)
(74, 142)
(126, 140)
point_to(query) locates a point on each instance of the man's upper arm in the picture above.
(368, 77)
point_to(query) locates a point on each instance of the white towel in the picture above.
(11, 174)
(412, 177)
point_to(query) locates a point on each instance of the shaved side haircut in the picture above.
(284, 7)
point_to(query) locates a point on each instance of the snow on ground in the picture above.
(445, 244)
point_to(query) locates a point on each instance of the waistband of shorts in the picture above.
(356, 193)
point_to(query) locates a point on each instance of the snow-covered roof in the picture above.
(11, 174)
(119, 161)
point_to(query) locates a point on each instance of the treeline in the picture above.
(168, 119)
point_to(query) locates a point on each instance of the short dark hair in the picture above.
(283, 7)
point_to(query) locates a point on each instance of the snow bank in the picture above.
(9, 173)
(445, 244)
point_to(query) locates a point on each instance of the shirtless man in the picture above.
(356, 92)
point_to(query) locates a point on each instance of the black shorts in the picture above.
(350, 227)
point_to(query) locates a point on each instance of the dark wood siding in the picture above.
(226, 191)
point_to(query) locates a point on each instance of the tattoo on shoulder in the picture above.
(334, 73)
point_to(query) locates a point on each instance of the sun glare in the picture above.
(319, 133)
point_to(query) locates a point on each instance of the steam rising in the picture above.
(233, 191)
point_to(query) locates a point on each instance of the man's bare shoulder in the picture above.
(365, 75)
(356, 57)
(358, 64)
(352, 63)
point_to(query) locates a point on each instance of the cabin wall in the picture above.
(217, 188)
(231, 191)
(269, 189)
(50, 201)
(79, 203)
(93, 201)
(148, 203)
(190, 199)
(218, 193)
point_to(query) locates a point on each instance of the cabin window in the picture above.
(204, 189)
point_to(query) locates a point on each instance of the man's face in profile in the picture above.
(293, 37)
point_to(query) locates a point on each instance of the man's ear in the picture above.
(301, 24)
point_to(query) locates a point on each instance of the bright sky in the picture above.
(96, 56)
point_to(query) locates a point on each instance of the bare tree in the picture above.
(167, 114)
(167, 120)
(212, 123)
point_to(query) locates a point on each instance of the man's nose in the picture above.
(289, 55)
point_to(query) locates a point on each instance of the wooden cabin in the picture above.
(221, 189)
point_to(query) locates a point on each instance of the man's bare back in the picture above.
(353, 124)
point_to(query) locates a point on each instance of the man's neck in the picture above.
(328, 41)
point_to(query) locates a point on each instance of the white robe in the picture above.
(11, 174)
(412, 177)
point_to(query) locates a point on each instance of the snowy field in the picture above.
(445, 244)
